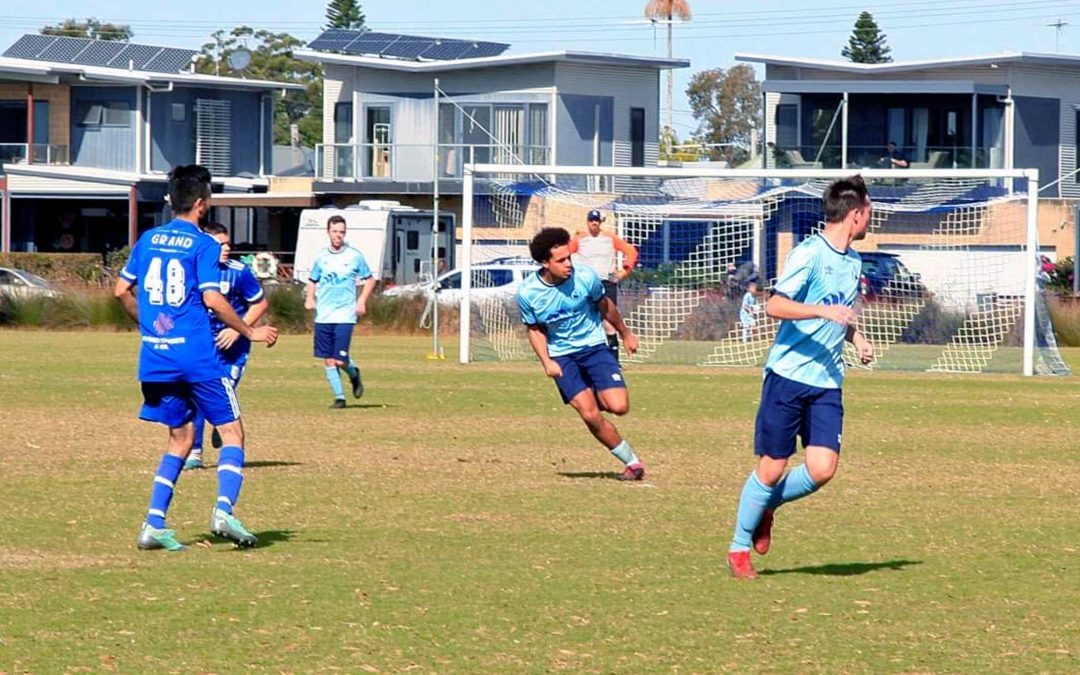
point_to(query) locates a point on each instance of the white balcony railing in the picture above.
(43, 153)
(414, 162)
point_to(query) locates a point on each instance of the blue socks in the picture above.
(162, 491)
(335, 382)
(351, 369)
(625, 453)
(795, 485)
(753, 501)
(200, 427)
(230, 473)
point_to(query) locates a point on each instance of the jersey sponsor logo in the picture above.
(225, 286)
(172, 240)
(163, 324)
(838, 299)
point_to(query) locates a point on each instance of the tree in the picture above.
(867, 42)
(344, 14)
(668, 11)
(91, 28)
(272, 59)
(727, 107)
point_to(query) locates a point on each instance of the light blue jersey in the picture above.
(810, 351)
(336, 274)
(567, 312)
(746, 312)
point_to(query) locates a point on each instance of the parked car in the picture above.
(498, 278)
(884, 276)
(23, 284)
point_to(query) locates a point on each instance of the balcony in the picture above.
(43, 153)
(872, 157)
(404, 162)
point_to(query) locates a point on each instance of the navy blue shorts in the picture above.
(789, 409)
(332, 340)
(173, 403)
(592, 368)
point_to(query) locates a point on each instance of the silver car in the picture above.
(495, 279)
(22, 284)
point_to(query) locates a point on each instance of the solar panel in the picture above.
(64, 49)
(99, 53)
(392, 45)
(170, 61)
(29, 46)
(133, 56)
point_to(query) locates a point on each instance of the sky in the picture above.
(915, 29)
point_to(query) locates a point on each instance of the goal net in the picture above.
(950, 277)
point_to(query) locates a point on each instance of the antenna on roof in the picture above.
(1059, 27)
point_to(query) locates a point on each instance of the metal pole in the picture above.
(974, 128)
(844, 134)
(1030, 271)
(1076, 250)
(466, 259)
(435, 225)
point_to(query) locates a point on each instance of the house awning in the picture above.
(263, 199)
(881, 87)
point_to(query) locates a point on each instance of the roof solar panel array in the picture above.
(101, 53)
(393, 45)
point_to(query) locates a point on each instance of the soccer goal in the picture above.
(950, 279)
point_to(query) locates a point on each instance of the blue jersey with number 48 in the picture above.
(172, 265)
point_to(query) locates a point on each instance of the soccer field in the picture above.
(460, 519)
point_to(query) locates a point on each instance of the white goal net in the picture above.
(950, 279)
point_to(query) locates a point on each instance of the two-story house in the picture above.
(89, 129)
(1008, 110)
(400, 110)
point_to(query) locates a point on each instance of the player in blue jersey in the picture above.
(564, 308)
(246, 297)
(171, 278)
(815, 301)
(331, 292)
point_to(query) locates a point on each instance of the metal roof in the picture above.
(394, 45)
(493, 61)
(992, 60)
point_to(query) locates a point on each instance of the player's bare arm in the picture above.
(610, 313)
(309, 296)
(365, 293)
(538, 342)
(781, 307)
(124, 292)
(863, 347)
(217, 303)
(228, 336)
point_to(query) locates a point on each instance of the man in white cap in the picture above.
(599, 251)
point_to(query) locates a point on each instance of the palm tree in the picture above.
(667, 11)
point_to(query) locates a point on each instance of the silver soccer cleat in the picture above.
(227, 526)
(151, 539)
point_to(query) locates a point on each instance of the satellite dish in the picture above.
(240, 59)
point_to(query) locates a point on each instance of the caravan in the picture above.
(394, 239)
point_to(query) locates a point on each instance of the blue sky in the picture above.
(916, 29)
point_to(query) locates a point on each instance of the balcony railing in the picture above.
(873, 157)
(43, 153)
(414, 162)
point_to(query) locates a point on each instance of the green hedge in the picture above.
(61, 268)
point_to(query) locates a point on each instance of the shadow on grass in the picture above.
(611, 475)
(845, 569)
(269, 463)
(363, 406)
(268, 538)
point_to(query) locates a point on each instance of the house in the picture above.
(1008, 110)
(89, 129)
(559, 107)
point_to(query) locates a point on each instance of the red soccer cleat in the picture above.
(739, 564)
(635, 471)
(763, 533)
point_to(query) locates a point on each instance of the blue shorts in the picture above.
(173, 403)
(789, 409)
(234, 364)
(591, 368)
(332, 340)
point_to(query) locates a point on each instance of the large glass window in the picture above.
(538, 134)
(637, 136)
(343, 122)
(105, 114)
(787, 126)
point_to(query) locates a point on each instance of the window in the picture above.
(179, 112)
(1077, 143)
(538, 134)
(637, 136)
(343, 116)
(787, 126)
(412, 240)
(106, 114)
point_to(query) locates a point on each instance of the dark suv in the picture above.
(884, 276)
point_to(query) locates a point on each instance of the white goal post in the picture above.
(956, 209)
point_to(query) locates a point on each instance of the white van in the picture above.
(394, 239)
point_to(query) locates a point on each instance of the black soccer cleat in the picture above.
(357, 385)
(338, 404)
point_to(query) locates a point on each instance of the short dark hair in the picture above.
(545, 240)
(215, 228)
(844, 196)
(336, 219)
(187, 185)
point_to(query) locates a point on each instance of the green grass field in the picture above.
(460, 519)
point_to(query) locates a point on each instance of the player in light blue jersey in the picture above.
(801, 396)
(168, 283)
(563, 308)
(246, 297)
(331, 292)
